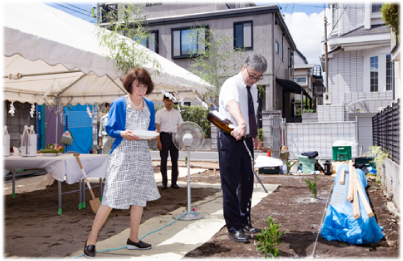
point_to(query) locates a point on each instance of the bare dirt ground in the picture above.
(32, 227)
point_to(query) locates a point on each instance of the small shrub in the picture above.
(312, 186)
(194, 113)
(269, 239)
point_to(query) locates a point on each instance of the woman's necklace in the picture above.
(134, 106)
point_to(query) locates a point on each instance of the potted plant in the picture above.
(260, 138)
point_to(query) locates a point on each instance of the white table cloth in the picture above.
(61, 166)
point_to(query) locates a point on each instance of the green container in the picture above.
(341, 153)
(365, 160)
(270, 170)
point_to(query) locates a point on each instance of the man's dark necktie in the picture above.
(251, 113)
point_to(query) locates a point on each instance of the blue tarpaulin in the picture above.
(340, 224)
(79, 125)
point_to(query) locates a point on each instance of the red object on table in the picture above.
(268, 153)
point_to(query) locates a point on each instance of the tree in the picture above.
(390, 14)
(125, 51)
(213, 62)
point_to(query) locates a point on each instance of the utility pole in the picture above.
(326, 69)
(98, 12)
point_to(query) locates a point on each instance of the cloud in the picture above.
(308, 33)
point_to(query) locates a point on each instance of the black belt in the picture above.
(170, 133)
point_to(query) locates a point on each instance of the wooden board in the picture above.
(350, 194)
(342, 174)
(356, 203)
(364, 200)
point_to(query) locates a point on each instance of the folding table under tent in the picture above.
(53, 58)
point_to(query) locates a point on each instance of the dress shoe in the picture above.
(249, 229)
(163, 186)
(238, 236)
(174, 186)
(89, 251)
(137, 246)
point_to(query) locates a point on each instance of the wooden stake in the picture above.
(350, 194)
(342, 176)
(356, 203)
(364, 198)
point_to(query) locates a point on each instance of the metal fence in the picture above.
(386, 131)
(305, 137)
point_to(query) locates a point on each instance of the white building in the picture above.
(360, 68)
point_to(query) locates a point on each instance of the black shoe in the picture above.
(238, 236)
(137, 246)
(89, 251)
(249, 229)
(174, 186)
(163, 186)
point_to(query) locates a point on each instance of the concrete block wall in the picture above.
(330, 113)
(391, 181)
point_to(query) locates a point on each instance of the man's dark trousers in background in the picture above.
(168, 146)
(236, 176)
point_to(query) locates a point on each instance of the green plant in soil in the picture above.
(289, 165)
(379, 155)
(312, 186)
(269, 239)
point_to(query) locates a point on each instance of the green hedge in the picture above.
(194, 113)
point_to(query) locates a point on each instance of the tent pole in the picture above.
(65, 89)
(116, 84)
(57, 116)
(45, 73)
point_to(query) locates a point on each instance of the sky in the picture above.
(305, 21)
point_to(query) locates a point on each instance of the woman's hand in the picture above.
(128, 135)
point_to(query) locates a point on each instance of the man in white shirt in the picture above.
(105, 141)
(238, 103)
(166, 120)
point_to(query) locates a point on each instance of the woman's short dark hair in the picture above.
(142, 76)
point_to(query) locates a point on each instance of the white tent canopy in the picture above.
(58, 55)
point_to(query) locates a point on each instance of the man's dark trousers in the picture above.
(236, 179)
(168, 146)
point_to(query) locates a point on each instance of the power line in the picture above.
(73, 10)
(77, 7)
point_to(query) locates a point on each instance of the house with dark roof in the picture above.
(360, 69)
(257, 29)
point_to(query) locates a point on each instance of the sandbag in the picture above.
(308, 164)
(340, 224)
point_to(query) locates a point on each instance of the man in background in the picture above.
(166, 121)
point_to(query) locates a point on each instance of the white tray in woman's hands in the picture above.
(145, 134)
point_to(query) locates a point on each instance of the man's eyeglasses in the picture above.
(253, 77)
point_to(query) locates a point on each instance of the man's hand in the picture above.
(159, 145)
(239, 132)
(128, 135)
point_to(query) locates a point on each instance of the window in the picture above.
(389, 73)
(188, 41)
(374, 74)
(300, 80)
(230, 3)
(277, 48)
(153, 2)
(376, 8)
(243, 35)
(151, 42)
(335, 14)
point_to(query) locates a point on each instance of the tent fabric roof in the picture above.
(42, 39)
(291, 86)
